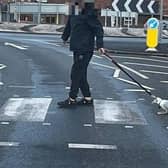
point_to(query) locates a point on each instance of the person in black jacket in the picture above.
(82, 29)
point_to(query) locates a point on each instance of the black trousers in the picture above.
(79, 74)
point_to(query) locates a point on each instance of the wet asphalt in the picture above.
(121, 130)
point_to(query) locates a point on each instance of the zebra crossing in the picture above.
(25, 109)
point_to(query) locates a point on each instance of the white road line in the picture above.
(57, 45)
(163, 81)
(15, 46)
(1, 83)
(134, 71)
(20, 86)
(2, 66)
(96, 56)
(134, 90)
(147, 65)
(129, 126)
(46, 124)
(92, 146)
(137, 58)
(4, 123)
(9, 144)
(130, 69)
(133, 83)
(109, 98)
(154, 72)
(165, 58)
(141, 99)
(117, 73)
(87, 125)
(102, 65)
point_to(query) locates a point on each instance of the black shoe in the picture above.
(67, 103)
(85, 102)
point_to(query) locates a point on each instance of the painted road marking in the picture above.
(102, 65)
(129, 69)
(22, 86)
(117, 73)
(15, 46)
(46, 124)
(92, 146)
(96, 56)
(155, 72)
(25, 109)
(129, 126)
(141, 99)
(147, 65)
(2, 66)
(134, 90)
(117, 112)
(8, 144)
(134, 71)
(109, 98)
(133, 83)
(145, 59)
(87, 125)
(4, 123)
(163, 81)
(57, 45)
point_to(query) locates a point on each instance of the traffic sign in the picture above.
(153, 23)
(152, 34)
(139, 6)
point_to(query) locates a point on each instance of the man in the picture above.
(82, 28)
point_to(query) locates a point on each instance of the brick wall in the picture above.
(103, 4)
(165, 7)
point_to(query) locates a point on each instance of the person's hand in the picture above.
(101, 51)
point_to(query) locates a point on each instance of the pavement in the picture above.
(134, 33)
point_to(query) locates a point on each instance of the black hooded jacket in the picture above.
(82, 30)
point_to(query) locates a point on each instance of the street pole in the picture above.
(15, 11)
(39, 11)
(19, 11)
(161, 20)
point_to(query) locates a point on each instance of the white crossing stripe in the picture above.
(87, 125)
(163, 81)
(4, 123)
(8, 144)
(25, 109)
(129, 126)
(92, 146)
(117, 73)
